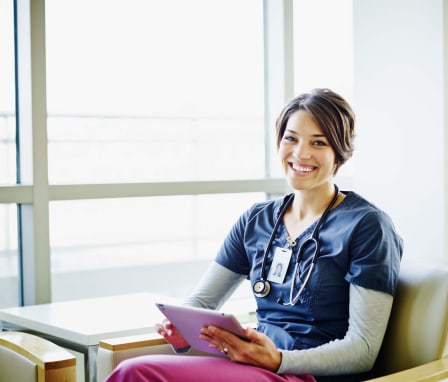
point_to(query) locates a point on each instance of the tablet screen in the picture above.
(189, 321)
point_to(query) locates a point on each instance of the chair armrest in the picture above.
(429, 372)
(112, 351)
(132, 342)
(53, 362)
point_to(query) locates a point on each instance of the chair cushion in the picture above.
(417, 331)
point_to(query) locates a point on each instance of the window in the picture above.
(154, 95)
(9, 264)
(158, 244)
(163, 91)
(7, 95)
(7, 146)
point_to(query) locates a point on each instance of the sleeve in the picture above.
(215, 287)
(232, 254)
(355, 353)
(375, 253)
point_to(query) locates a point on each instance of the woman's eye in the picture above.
(320, 143)
(289, 138)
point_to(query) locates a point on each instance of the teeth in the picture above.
(302, 168)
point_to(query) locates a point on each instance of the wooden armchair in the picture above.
(415, 346)
(27, 358)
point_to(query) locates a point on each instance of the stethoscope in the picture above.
(262, 287)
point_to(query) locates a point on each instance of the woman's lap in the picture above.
(171, 368)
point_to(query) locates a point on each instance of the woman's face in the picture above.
(306, 155)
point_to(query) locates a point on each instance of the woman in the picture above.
(326, 318)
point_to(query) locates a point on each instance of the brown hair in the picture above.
(333, 115)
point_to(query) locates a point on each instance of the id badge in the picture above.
(280, 264)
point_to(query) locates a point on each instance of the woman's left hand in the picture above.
(259, 350)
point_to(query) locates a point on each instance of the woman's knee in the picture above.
(129, 370)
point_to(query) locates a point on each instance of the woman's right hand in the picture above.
(168, 331)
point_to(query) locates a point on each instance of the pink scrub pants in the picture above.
(175, 368)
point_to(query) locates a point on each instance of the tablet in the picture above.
(189, 321)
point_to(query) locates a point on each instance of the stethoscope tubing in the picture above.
(283, 209)
(293, 299)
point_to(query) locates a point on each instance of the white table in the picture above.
(79, 325)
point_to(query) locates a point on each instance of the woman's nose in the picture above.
(301, 151)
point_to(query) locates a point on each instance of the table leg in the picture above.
(90, 363)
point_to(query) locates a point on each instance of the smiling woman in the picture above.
(328, 314)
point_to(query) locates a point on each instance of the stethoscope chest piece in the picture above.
(261, 288)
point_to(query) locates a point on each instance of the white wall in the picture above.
(398, 61)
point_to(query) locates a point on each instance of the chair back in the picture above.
(25, 357)
(15, 367)
(418, 328)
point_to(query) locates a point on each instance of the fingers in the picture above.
(258, 351)
(169, 332)
(254, 336)
(168, 325)
(215, 335)
(221, 339)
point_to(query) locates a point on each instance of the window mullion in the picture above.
(33, 161)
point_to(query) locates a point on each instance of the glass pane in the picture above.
(166, 96)
(160, 244)
(9, 283)
(324, 58)
(7, 94)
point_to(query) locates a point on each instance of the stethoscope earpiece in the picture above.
(261, 288)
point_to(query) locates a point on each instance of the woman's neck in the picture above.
(306, 208)
(310, 204)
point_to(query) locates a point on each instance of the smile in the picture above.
(302, 168)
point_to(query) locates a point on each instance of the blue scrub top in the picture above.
(358, 244)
